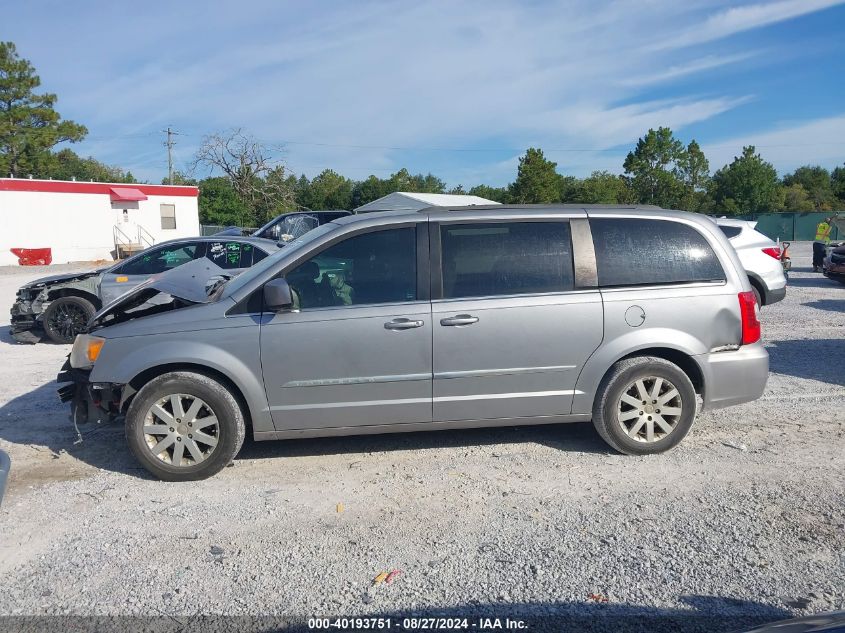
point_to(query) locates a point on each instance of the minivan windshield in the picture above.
(270, 262)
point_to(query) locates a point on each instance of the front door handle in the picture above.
(461, 319)
(402, 324)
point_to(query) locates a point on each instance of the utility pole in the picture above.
(170, 143)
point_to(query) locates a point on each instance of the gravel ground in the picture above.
(743, 523)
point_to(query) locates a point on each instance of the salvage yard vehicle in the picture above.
(833, 266)
(761, 258)
(434, 319)
(61, 305)
(288, 226)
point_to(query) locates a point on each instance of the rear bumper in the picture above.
(734, 377)
(5, 467)
(773, 295)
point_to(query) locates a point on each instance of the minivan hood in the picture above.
(185, 286)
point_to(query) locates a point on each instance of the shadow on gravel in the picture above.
(815, 359)
(706, 614)
(833, 305)
(39, 420)
(574, 437)
(6, 337)
(819, 281)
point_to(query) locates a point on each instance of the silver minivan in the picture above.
(437, 319)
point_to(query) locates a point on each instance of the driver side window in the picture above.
(370, 268)
(158, 260)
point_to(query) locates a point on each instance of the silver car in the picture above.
(437, 319)
(61, 305)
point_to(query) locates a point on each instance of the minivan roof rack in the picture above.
(568, 205)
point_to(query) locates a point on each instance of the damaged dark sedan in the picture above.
(60, 306)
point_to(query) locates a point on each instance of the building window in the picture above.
(168, 216)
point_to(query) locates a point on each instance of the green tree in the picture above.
(603, 187)
(570, 189)
(496, 194)
(837, 185)
(537, 182)
(67, 165)
(29, 125)
(816, 182)
(372, 188)
(219, 204)
(796, 198)
(180, 178)
(328, 190)
(748, 185)
(694, 171)
(655, 167)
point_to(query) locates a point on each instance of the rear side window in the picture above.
(230, 255)
(730, 231)
(633, 252)
(505, 258)
(257, 255)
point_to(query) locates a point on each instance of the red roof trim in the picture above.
(67, 186)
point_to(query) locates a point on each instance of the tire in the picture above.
(66, 317)
(609, 410)
(757, 296)
(145, 426)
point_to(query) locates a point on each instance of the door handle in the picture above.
(461, 319)
(403, 324)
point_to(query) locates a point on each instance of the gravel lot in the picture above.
(743, 523)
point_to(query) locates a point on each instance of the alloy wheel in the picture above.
(649, 409)
(181, 430)
(68, 320)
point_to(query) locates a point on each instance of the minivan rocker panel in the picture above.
(444, 318)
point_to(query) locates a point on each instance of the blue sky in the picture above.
(458, 89)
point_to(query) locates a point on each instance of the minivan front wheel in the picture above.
(644, 405)
(184, 426)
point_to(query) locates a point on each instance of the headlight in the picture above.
(85, 351)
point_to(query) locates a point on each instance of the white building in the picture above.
(87, 221)
(404, 201)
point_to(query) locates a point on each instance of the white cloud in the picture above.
(744, 18)
(818, 142)
(433, 74)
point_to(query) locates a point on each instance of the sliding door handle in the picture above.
(461, 319)
(403, 324)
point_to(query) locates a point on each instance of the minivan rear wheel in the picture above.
(644, 405)
(184, 426)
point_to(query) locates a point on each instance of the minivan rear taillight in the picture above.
(750, 312)
(774, 251)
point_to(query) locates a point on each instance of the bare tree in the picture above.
(256, 177)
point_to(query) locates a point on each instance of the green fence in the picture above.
(791, 226)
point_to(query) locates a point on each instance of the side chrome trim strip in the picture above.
(500, 396)
(357, 380)
(507, 371)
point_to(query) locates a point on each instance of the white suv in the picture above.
(760, 257)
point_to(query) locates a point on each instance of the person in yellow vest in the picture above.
(822, 240)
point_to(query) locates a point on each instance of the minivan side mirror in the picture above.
(277, 295)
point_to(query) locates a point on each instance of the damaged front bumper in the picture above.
(25, 324)
(89, 401)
